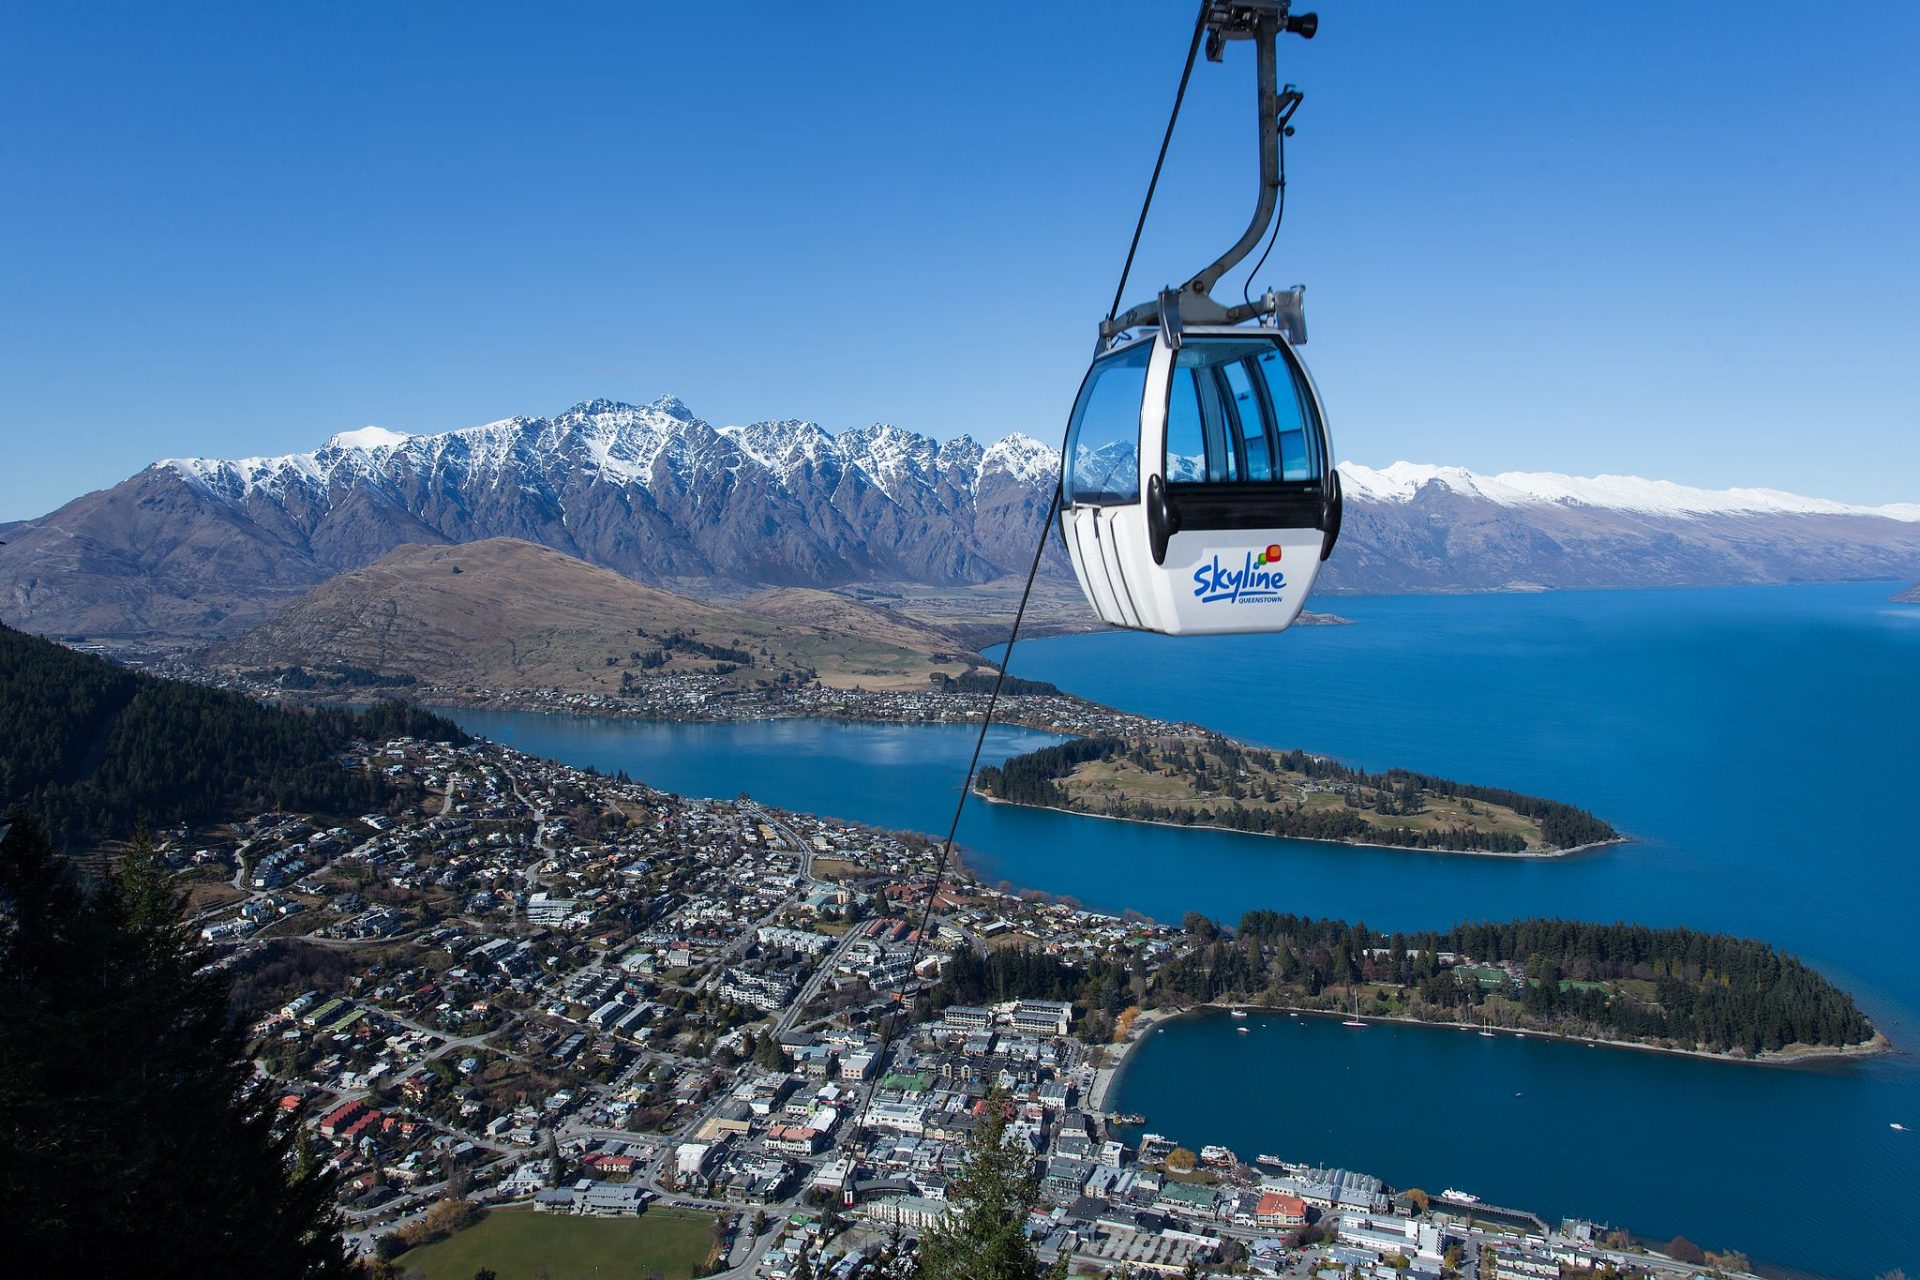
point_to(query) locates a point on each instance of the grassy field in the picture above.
(825, 868)
(520, 1244)
(1097, 786)
(207, 887)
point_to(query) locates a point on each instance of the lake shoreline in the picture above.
(1107, 1081)
(1529, 855)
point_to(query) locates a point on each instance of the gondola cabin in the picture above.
(1198, 494)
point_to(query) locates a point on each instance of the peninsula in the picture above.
(1199, 779)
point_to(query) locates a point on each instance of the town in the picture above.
(694, 697)
(541, 990)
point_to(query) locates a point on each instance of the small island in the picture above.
(1205, 780)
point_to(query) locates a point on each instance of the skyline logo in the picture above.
(1257, 579)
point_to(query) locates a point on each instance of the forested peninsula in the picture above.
(93, 750)
(1674, 989)
(1211, 781)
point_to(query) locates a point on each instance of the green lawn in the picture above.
(520, 1244)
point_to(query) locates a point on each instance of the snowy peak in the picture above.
(368, 439)
(786, 447)
(893, 458)
(1403, 481)
(1022, 457)
(671, 407)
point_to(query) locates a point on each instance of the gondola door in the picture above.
(1111, 460)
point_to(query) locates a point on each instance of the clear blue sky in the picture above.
(1671, 240)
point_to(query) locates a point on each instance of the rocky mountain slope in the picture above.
(502, 613)
(198, 547)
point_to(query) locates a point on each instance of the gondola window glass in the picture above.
(1250, 418)
(1292, 421)
(1103, 438)
(1236, 413)
(1186, 435)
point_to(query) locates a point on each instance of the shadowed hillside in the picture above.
(96, 750)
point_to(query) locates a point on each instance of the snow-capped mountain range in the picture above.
(196, 546)
(1403, 481)
(622, 444)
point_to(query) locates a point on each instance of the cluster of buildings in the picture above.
(588, 995)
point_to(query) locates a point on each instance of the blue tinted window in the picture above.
(1103, 438)
(1186, 437)
(1292, 417)
(1238, 411)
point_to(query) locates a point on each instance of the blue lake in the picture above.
(1761, 745)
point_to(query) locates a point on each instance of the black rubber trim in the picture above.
(1210, 506)
(1163, 521)
(1336, 505)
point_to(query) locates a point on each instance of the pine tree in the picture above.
(133, 1137)
(984, 1233)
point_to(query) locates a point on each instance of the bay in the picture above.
(1762, 747)
(902, 776)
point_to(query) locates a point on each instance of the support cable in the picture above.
(1026, 593)
(960, 805)
(1180, 96)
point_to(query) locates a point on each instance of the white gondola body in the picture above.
(1233, 576)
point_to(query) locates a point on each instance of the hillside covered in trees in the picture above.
(94, 750)
(134, 1136)
(1676, 988)
(1215, 782)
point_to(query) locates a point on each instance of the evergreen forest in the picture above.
(135, 1138)
(1678, 987)
(94, 750)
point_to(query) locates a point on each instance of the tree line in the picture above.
(1689, 988)
(95, 750)
(344, 676)
(982, 682)
(1711, 989)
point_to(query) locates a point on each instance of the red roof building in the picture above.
(1277, 1209)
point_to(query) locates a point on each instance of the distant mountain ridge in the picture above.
(195, 547)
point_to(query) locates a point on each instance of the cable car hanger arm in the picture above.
(1261, 21)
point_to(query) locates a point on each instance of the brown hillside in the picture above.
(506, 614)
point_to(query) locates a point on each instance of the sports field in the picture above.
(519, 1244)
